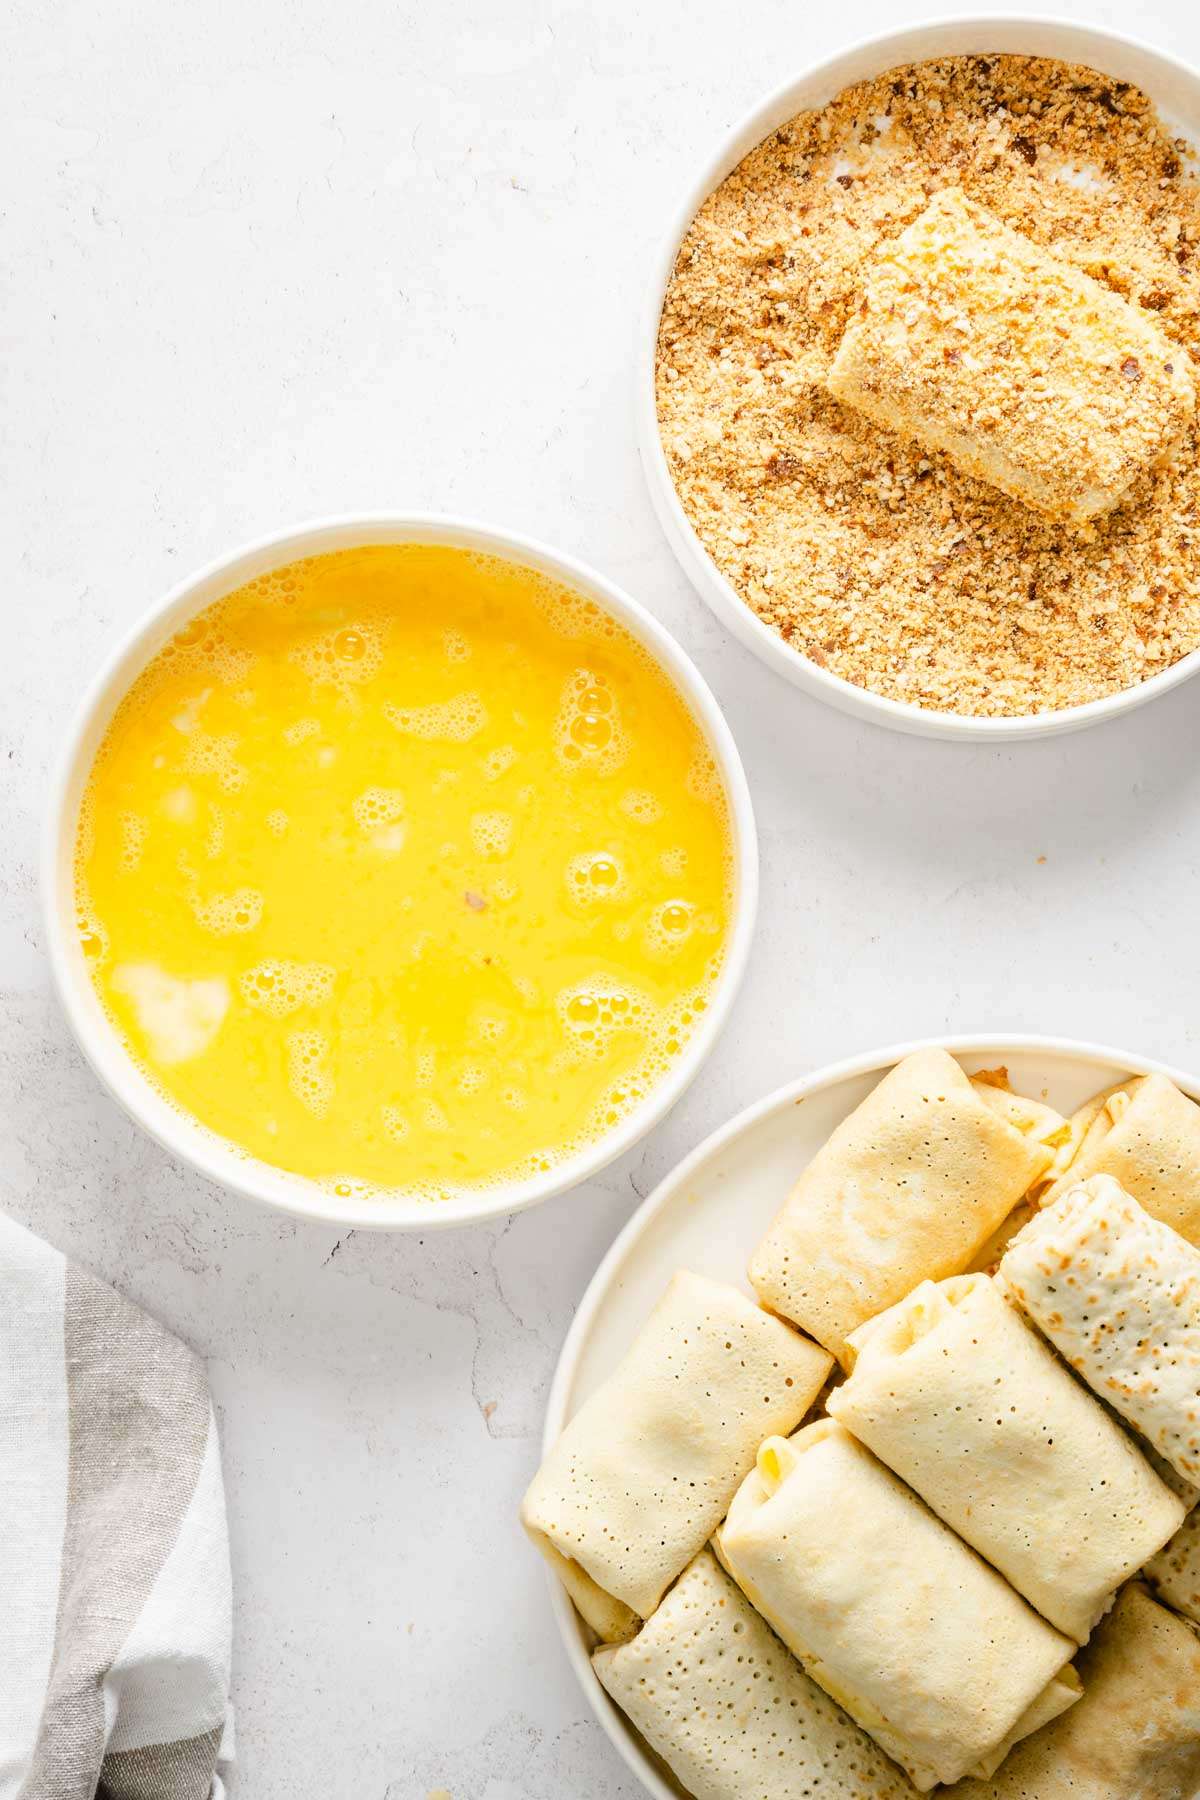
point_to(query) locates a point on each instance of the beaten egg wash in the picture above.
(404, 868)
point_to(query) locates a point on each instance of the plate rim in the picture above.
(607, 1714)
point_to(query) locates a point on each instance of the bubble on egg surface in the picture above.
(349, 1187)
(179, 1018)
(498, 762)
(571, 614)
(85, 842)
(667, 1029)
(492, 833)
(450, 721)
(202, 645)
(433, 1193)
(309, 1077)
(669, 927)
(591, 1014)
(587, 729)
(674, 862)
(379, 815)
(190, 634)
(348, 654)
(133, 840)
(619, 1099)
(279, 987)
(395, 1124)
(351, 646)
(641, 805)
(472, 1079)
(300, 730)
(595, 877)
(215, 755)
(489, 1026)
(224, 914)
(277, 821)
(93, 938)
(378, 806)
(214, 841)
(704, 778)
(455, 647)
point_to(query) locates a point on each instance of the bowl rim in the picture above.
(187, 1139)
(988, 1044)
(924, 38)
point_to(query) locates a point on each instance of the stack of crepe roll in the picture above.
(920, 1515)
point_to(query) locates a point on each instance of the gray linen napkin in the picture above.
(114, 1555)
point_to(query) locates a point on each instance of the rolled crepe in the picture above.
(1145, 1133)
(645, 1471)
(1118, 1294)
(1187, 1491)
(909, 1187)
(957, 1395)
(926, 1648)
(1135, 1735)
(732, 1714)
(1174, 1573)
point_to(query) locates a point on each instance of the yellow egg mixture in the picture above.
(405, 868)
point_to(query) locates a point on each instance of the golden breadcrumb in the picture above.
(875, 558)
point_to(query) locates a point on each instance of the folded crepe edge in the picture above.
(609, 1619)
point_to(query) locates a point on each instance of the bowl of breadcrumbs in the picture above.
(917, 396)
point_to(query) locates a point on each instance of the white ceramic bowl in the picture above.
(710, 1211)
(185, 1137)
(1175, 90)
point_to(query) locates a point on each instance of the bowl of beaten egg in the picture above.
(399, 872)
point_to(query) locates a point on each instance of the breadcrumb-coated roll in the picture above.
(1026, 372)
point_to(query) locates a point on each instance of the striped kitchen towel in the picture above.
(114, 1555)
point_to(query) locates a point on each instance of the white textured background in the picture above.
(280, 258)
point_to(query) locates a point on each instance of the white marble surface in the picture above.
(273, 260)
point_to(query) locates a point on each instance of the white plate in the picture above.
(709, 1213)
(1175, 91)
